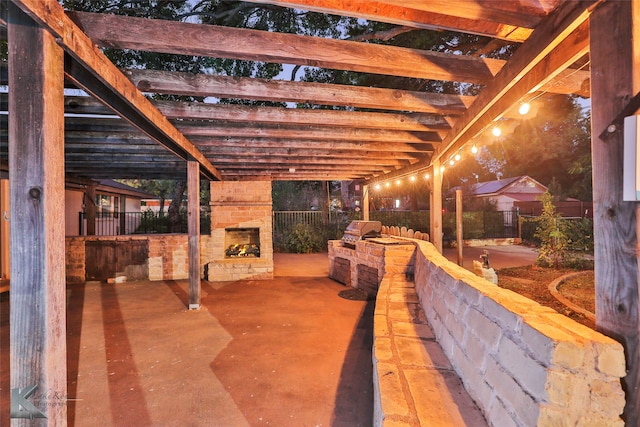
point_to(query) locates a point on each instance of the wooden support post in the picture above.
(436, 207)
(36, 187)
(459, 239)
(365, 203)
(4, 230)
(193, 212)
(615, 78)
(90, 209)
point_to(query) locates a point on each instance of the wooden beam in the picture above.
(124, 144)
(435, 217)
(303, 92)
(471, 9)
(38, 351)
(88, 67)
(555, 44)
(193, 225)
(154, 35)
(302, 116)
(275, 143)
(615, 29)
(407, 17)
(308, 132)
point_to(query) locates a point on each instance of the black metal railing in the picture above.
(148, 222)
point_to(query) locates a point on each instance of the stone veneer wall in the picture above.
(524, 364)
(389, 259)
(168, 255)
(240, 204)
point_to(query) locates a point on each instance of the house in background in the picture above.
(507, 192)
(117, 208)
(114, 204)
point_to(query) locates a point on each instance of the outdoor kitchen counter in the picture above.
(365, 266)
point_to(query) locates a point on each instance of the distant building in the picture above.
(112, 201)
(506, 192)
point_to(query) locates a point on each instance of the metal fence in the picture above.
(149, 222)
(476, 225)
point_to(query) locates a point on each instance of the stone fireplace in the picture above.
(241, 231)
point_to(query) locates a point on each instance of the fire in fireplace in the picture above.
(242, 242)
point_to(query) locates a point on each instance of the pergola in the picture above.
(386, 133)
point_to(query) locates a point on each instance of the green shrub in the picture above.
(303, 239)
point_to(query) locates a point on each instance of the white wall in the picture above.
(73, 206)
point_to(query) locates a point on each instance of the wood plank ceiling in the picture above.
(383, 133)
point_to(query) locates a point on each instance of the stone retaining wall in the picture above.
(522, 363)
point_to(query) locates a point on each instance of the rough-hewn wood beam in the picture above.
(93, 71)
(38, 350)
(615, 26)
(407, 17)
(301, 92)
(555, 44)
(303, 116)
(332, 145)
(259, 114)
(246, 130)
(153, 35)
(471, 9)
(307, 132)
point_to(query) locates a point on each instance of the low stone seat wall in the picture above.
(523, 364)
(414, 382)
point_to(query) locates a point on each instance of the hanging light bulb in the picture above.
(387, 184)
(442, 169)
(377, 186)
(412, 178)
(452, 162)
(474, 149)
(524, 108)
(457, 157)
(427, 176)
(496, 131)
(398, 182)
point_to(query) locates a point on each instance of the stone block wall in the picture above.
(237, 204)
(75, 259)
(168, 255)
(524, 364)
(392, 259)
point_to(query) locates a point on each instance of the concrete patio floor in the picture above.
(284, 352)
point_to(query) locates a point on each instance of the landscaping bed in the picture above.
(532, 281)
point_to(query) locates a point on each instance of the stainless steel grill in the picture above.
(360, 230)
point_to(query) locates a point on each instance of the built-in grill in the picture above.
(360, 230)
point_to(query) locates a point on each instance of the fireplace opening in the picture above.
(242, 242)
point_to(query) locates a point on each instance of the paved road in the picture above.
(500, 256)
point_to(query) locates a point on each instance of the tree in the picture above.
(558, 137)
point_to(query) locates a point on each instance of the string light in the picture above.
(412, 178)
(457, 157)
(377, 186)
(474, 149)
(398, 182)
(427, 176)
(496, 131)
(387, 184)
(525, 107)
